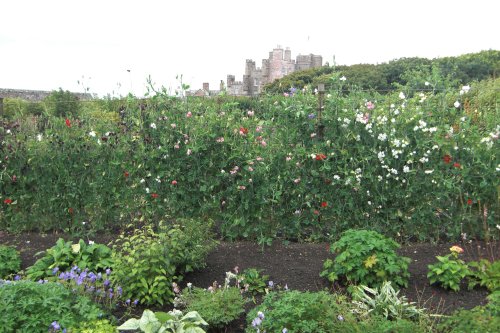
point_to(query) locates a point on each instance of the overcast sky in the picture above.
(49, 44)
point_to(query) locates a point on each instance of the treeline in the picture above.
(413, 72)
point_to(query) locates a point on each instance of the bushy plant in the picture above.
(10, 261)
(253, 281)
(218, 305)
(477, 320)
(449, 271)
(172, 322)
(485, 274)
(295, 311)
(379, 324)
(30, 307)
(384, 302)
(368, 258)
(66, 254)
(143, 266)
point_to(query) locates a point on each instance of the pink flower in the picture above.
(241, 187)
(174, 182)
(369, 105)
(189, 114)
(250, 113)
(263, 143)
(258, 129)
(173, 125)
(220, 140)
(296, 181)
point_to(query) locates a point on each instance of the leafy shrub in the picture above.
(171, 322)
(63, 103)
(95, 326)
(384, 302)
(147, 262)
(143, 266)
(28, 306)
(485, 273)
(64, 255)
(217, 305)
(253, 282)
(10, 261)
(478, 320)
(296, 311)
(449, 271)
(368, 258)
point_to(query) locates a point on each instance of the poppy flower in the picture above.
(68, 122)
(320, 157)
(154, 195)
(457, 165)
(7, 201)
(324, 204)
(469, 201)
(446, 159)
(126, 174)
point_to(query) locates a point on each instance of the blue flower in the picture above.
(55, 326)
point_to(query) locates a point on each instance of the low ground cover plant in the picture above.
(30, 307)
(368, 258)
(253, 281)
(66, 254)
(161, 322)
(485, 274)
(10, 261)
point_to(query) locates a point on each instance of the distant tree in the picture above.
(63, 103)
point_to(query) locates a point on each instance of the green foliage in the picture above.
(449, 271)
(171, 322)
(382, 325)
(143, 266)
(306, 312)
(63, 104)
(66, 254)
(10, 261)
(31, 307)
(253, 281)
(368, 258)
(147, 262)
(95, 326)
(484, 273)
(385, 302)
(478, 320)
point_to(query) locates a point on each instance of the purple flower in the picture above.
(55, 270)
(127, 301)
(260, 314)
(108, 271)
(55, 326)
(111, 295)
(99, 276)
(136, 302)
(256, 322)
(106, 282)
(271, 284)
(311, 116)
(339, 317)
(119, 290)
(284, 330)
(17, 278)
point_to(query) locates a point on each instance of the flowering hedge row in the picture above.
(418, 165)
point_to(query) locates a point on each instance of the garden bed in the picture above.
(298, 265)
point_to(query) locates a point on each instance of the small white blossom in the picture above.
(382, 136)
(152, 125)
(343, 78)
(402, 95)
(39, 137)
(406, 169)
(428, 172)
(456, 104)
(92, 134)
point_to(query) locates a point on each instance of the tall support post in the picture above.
(321, 100)
(1, 106)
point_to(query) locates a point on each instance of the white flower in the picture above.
(464, 90)
(456, 104)
(91, 242)
(406, 169)
(402, 95)
(142, 181)
(379, 178)
(396, 112)
(8, 131)
(343, 78)
(427, 83)
(382, 136)
(428, 172)
(152, 125)
(147, 189)
(39, 137)
(92, 134)
(381, 155)
(189, 152)
(337, 177)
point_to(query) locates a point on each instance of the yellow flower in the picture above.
(456, 249)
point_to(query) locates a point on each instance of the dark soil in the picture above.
(298, 265)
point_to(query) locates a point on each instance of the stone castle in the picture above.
(278, 64)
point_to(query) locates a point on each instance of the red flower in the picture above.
(457, 165)
(446, 159)
(243, 131)
(126, 174)
(68, 122)
(70, 210)
(316, 212)
(324, 204)
(154, 195)
(174, 182)
(7, 201)
(469, 201)
(320, 157)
